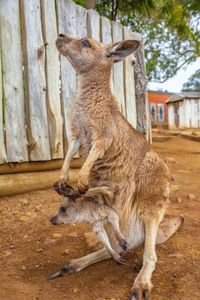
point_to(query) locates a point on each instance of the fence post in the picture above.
(143, 118)
(16, 141)
(38, 132)
(66, 13)
(3, 157)
(93, 25)
(106, 38)
(129, 84)
(52, 77)
(118, 69)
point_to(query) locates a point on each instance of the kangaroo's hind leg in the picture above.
(142, 285)
(78, 264)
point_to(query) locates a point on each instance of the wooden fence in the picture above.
(37, 84)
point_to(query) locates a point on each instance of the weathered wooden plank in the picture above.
(3, 156)
(81, 21)
(66, 11)
(52, 77)
(129, 84)
(118, 70)
(38, 132)
(106, 38)
(143, 116)
(93, 25)
(16, 141)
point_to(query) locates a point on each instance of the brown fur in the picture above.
(114, 153)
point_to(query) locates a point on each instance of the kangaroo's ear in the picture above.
(120, 50)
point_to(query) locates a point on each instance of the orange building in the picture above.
(158, 107)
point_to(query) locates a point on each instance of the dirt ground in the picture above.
(32, 249)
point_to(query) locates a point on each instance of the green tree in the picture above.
(171, 31)
(193, 83)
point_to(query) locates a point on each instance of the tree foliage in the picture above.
(171, 31)
(193, 83)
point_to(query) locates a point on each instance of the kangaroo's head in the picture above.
(66, 214)
(86, 54)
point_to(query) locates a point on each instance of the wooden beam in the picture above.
(37, 166)
(13, 184)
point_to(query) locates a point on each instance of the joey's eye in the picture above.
(85, 43)
(63, 209)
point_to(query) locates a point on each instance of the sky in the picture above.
(175, 83)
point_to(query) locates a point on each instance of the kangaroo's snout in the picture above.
(53, 220)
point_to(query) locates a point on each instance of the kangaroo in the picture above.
(115, 154)
(97, 215)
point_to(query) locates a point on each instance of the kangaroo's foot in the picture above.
(141, 289)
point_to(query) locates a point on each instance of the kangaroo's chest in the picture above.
(83, 129)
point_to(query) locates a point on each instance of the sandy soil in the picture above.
(25, 260)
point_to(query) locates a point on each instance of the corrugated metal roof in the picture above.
(183, 95)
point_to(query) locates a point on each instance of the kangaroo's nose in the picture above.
(52, 220)
(61, 35)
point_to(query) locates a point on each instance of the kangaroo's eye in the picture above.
(63, 209)
(85, 43)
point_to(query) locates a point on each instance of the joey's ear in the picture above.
(120, 50)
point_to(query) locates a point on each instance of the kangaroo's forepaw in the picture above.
(141, 290)
(124, 245)
(64, 189)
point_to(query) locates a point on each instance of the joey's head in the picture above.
(66, 214)
(86, 54)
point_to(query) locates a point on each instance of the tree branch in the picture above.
(175, 71)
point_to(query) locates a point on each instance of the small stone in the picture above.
(57, 235)
(25, 236)
(24, 219)
(12, 246)
(49, 241)
(24, 202)
(7, 253)
(191, 196)
(176, 255)
(75, 290)
(23, 268)
(92, 241)
(179, 200)
(40, 250)
(73, 234)
(28, 213)
(65, 252)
